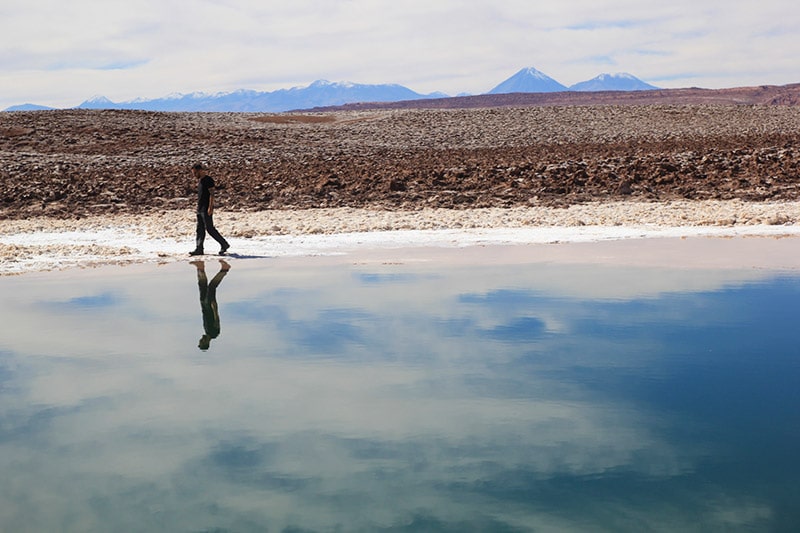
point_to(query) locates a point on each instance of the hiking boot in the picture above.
(196, 252)
(224, 249)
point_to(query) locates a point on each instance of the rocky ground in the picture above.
(75, 163)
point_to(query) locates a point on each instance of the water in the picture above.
(400, 397)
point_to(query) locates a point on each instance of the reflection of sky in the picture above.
(392, 397)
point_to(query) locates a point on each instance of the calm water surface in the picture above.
(399, 397)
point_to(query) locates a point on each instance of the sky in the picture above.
(60, 53)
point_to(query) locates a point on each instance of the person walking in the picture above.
(205, 211)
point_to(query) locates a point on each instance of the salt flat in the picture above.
(50, 244)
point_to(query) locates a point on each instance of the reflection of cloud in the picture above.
(448, 396)
(338, 444)
(102, 300)
(519, 330)
(385, 278)
(336, 439)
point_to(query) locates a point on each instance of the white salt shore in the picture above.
(50, 244)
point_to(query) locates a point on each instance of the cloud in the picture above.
(61, 53)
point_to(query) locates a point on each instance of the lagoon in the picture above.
(401, 394)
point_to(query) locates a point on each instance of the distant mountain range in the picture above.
(324, 93)
(319, 93)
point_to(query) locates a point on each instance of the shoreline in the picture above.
(44, 244)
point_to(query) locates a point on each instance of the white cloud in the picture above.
(61, 53)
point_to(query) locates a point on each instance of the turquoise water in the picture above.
(400, 397)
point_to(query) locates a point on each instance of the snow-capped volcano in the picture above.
(620, 81)
(529, 80)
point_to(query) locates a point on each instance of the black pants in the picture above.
(205, 223)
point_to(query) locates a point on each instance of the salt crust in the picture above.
(47, 244)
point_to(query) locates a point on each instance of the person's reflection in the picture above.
(208, 301)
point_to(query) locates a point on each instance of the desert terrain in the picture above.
(75, 163)
(721, 163)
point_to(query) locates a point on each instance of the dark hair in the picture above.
(198, 166)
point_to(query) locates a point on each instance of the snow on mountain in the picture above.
(529, 80)
(98, 102)
(621, 81)
(28, 107)
(318, 94)
(322, 93)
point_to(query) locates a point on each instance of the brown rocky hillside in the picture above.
(504, 150)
